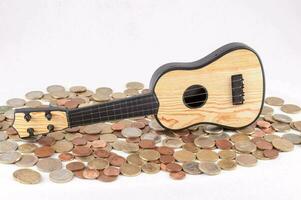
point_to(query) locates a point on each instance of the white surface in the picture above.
(109, 42)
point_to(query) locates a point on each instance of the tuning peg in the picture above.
(27, 117)
(50, 128)
(48, 115)
(30, 131)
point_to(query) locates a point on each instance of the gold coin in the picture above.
(246, 160)
(135, 85)
(184, 156)
(297, 125)
(282, 144)
(129, 169)
(62, 146)
(245, 146)
(98, 163)
(134, 159)
(27, 176)
(173, 142)
(227, 154)
(151, 168)
(239, 137)
(226, 164)
(290, 108)
(205, 143)
(274, 101)
(207, 155)
(281, 127)
(149, 154)
(266, 110)
(27, 148)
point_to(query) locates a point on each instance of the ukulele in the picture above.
(225, 88)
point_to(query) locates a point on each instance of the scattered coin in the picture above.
(43, 152)
(177, 175)
(184, 156)
(112, 171)
(131, 132)
(290, 108)
(266, 110)
(27, 160)
(33, 95)
(49, 164)
(293, 138)
(213, 129)
(205, 155)
(283, 144)
(205, 143)
(226, 164)
(271, 153)
(209, 168)
(10, 157)
(281, 127)
(227, 154)
(62, 146)
(282, 118)
(98, 163)
(130, 170)
(135, 85)
(8, 146)
(3, 136)
(90, 173)
(16, 102)
(149, 155)
(61, 176)
(245, 146)
(191, 168)
(274, 101)
(75, 166)
(150, 168)
(246, 160)
(27, 148)
(27, 176)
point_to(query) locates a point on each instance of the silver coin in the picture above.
(16, 102)
(34, 95)
(10, 157)
(151, 136)
(282, 118)
(213, 129)
(55, 88)
(209, 168)
(131, 132)
(3, 136)
(61, 176)
(191, 168)
(154, 124)
(294, 138)
(49, 164)
(27, 160)
(8, 146)
(172, 142)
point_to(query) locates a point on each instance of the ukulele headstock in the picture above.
(35, 121)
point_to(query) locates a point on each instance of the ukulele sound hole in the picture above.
(195, 96)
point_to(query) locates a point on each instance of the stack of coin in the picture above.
(128, 147)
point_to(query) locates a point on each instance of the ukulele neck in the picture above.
(136, 106)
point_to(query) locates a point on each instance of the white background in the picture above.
(109, 42)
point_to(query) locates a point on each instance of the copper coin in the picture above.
(75, 166)
(147, 144)
(184, 156)
(100, 153)
(65, 156)
(190, 147)
(223, 144)
(99, 143)
(263, 124)
(116, 160)
(177, 175)
(111, 171)
(79, 141)
(43, 152)
(263, 144)
(79, 174)
(207, 155)
(173, 167)
(46, 141)
(165, 150)
(167, 159)
(90, 173)
(271, 153)
(82, 151)
(104, 178)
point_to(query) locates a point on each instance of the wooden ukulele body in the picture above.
(213, 73)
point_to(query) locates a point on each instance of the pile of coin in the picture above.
(128, 147)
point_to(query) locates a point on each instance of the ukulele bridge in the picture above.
(237, 89)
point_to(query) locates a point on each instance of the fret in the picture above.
(135, 106)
